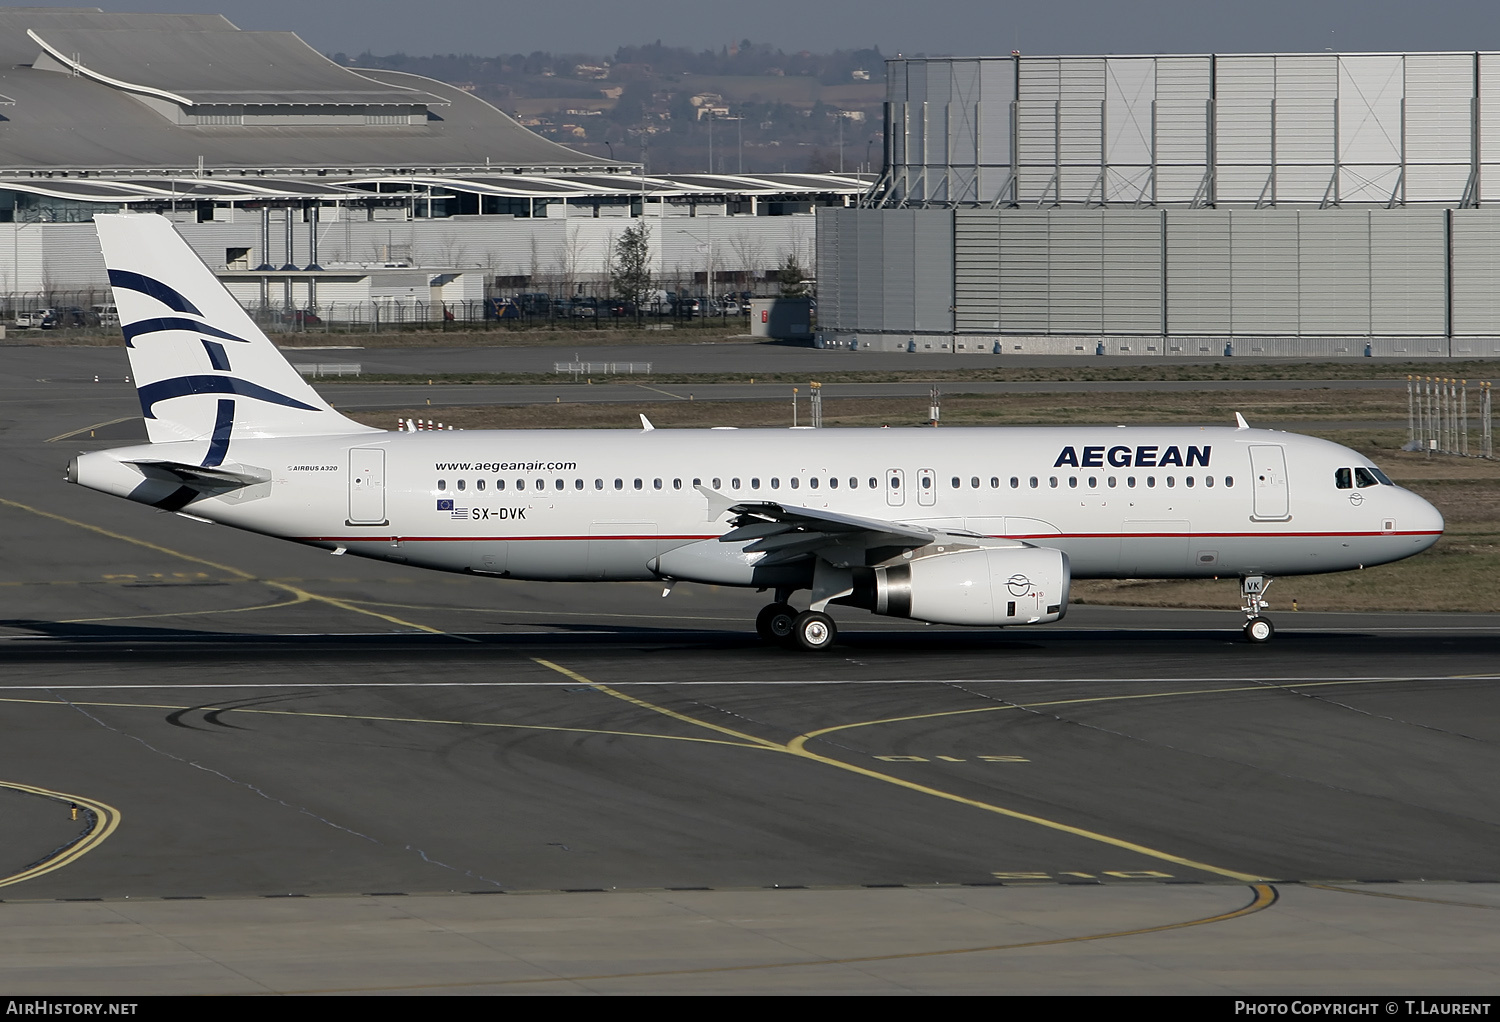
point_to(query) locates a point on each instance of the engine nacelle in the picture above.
(1011, 585)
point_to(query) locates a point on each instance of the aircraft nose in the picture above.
(1424, 518)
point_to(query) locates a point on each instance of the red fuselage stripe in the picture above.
(1053, 537)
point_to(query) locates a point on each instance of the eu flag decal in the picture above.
(445, 505)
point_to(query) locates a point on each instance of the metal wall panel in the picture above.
(1183, 91)
(1476, 269)
(1131, 272)
(997, 91)
(1489, 115)
(1407, 278)
(1306, 129)
(976, 270)
(1370, 89)
(1198, 271)
(963, 129)
(830, 268)
(1036, 129)
(1075, 268)
(898, 271)
(1264, 262)
(939, 111)
(1440, 90)
(932, 252)
(1081, 82)
(1130, 92)
(1245, 89)
(1334, 282)
(869, 253)
(1024, 299)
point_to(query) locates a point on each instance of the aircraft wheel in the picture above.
(813, 631)
(774, 622)
(1259, 629)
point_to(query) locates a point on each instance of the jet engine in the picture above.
(1011, 585)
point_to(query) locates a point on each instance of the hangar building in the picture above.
(1250, 204)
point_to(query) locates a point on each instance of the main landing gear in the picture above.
(780, 623)
(1252, 590)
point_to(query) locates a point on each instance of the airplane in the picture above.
(983, 527)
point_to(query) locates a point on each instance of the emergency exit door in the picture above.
(895, 487)
(367, 486)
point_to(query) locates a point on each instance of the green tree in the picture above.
(793, 278)
(630, 276)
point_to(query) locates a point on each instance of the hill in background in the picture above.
(753, 107)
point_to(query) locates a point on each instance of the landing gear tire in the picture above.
(1258, 630)
(774, 622)
(813, 631)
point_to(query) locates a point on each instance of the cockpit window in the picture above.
(1342, 480)
(1384, 479)
(1362, 477)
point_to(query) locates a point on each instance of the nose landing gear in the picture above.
(1252, 590)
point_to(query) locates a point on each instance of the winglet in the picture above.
(1240, 422)
(646, 426)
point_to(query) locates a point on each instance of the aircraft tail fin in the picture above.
(203, 370)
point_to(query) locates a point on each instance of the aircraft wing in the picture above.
(785, 532)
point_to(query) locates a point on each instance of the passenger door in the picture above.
(1268, 469)
(367, 486)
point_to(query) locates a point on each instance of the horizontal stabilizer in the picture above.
(220, 479)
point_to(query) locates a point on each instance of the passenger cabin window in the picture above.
(557, 485)
(795, 482)
(577, 484)
(873, 484)
(619, 484)
(499, 484)
(442, 484)
(638, 484)
(460, 484)
(520, 484)
(598, 484)
(479, 484)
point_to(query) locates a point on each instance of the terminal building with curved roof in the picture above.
(269, 154)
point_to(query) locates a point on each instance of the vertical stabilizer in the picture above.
(203, 369)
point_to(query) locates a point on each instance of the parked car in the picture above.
(67, 316)
(36, 318)
(106, 315)
(585, 308)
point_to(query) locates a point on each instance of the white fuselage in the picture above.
(578, 505)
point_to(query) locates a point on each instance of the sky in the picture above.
(946, 27)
